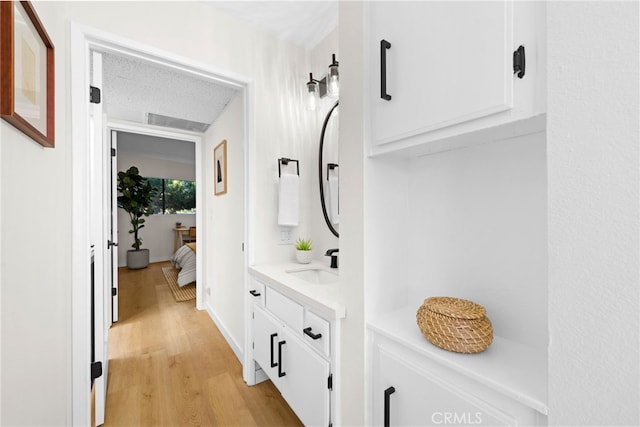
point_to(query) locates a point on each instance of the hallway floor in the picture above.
(170, 365)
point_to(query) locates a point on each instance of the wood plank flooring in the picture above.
(170, 366)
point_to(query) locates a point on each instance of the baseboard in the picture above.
(232, 343)
(151, 260)
(261, 376)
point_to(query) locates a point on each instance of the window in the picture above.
(173, 196)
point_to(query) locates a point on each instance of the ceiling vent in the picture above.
(176, 123)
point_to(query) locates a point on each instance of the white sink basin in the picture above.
(315, 275)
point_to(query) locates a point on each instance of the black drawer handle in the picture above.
(387, 405)
(254, 293)
(273, 364)
(280, 372)
(384, 45)
(307, 331)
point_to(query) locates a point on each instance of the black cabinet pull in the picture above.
(387, 405)
(273, 364)
(280, 373)
(384, 45)
(519, 63)
(307, 331)
(254, 293)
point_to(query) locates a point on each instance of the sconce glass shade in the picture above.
(333, 79)
(312, 93)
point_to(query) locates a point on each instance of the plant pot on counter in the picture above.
(137, 259)
(304, 257)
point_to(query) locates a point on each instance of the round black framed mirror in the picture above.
(328, 170)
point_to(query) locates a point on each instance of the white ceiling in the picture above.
(156, 147)
(135, 90)
(302, 22)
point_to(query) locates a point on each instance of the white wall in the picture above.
(35, 196)
(157, 234)
(223, 271)
(478, 230)
(352, 237)
(42, 325)
(594, 181)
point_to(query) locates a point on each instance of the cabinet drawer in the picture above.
(319, 335)
(291, 313)
(256, 291)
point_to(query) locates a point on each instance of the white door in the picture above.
(305, 385)
(112, 179)
(99, 223)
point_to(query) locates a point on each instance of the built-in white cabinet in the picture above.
(416, 383)
(444, 69)
(291, 345)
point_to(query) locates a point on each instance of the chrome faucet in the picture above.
(333, 253)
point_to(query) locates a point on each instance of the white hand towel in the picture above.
(289, 200)
(333, 198)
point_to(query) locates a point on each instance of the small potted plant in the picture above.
(135, 198)
(304, 251)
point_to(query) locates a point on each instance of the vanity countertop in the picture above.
(324, 300)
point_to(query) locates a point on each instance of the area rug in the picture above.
(185, 293)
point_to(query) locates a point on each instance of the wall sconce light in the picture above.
(333, 78)
(329, 85)
(315, 89)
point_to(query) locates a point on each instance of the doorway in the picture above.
(83, 41)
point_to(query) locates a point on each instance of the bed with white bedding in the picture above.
(185, 260)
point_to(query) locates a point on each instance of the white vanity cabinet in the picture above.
(443, 69)
(293, 344)
(296, 370)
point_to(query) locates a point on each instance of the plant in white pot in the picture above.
(135, 198)
(304, 251)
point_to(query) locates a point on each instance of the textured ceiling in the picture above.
(159, 148)
(133, 89)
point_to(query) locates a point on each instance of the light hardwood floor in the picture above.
(170, 366)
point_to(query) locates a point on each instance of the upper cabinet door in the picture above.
(446, 62)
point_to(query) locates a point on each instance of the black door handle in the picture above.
(307, 331)
(384, 45)
(110, 244)
(387, 405)
(254, 293)
(273, 364)
(280, 372)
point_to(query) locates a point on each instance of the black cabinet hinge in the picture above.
(330, 382)
(96, 370)
(113, 152)
(114, 292)
(94, 95)
(519, 62)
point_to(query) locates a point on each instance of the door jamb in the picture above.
(122, 126)
(83, 39)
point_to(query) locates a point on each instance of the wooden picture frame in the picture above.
(27, 95)
(220, 168)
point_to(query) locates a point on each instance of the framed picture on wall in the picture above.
(26, 72)
(220, 168)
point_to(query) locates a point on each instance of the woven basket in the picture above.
(455, 324)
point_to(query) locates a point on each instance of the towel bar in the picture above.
(285, 161)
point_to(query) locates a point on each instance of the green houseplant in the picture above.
(304, 250)
(135, 198)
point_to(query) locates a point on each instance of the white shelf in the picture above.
(510, 368)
